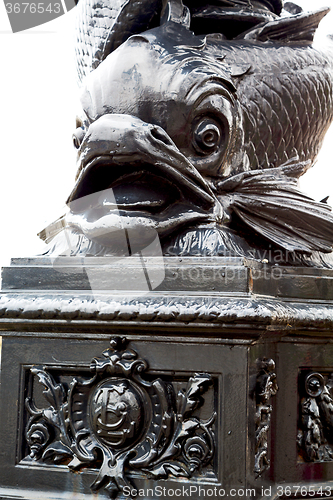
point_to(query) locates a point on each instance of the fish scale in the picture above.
(286, 95)
(103, 25)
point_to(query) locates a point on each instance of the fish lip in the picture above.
(135, 169)
(91, 161)
(135, 163)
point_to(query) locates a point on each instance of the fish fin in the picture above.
(270, 203)
(48, 233)
(239, 70)
(296, 28)
(292, 169)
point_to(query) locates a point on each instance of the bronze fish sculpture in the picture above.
(202, 138)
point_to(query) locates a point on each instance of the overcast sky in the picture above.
(38, 102)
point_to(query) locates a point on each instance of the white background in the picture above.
(38, 103)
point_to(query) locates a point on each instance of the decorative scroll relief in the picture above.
(117, 421)
(266, 387)
(315, 432)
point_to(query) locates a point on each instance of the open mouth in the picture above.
(135, 186)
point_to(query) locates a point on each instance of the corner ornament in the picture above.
(266, 387)
(118, 422)
(315, 434)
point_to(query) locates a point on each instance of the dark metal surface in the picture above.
(229, 276)
(218, 352)
(48, 390)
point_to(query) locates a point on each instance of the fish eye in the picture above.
(78, 137)
(207, 136)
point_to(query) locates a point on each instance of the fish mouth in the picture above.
(136, 186)
(136, 179)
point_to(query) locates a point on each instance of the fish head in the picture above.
(162, 124)
(167, 78)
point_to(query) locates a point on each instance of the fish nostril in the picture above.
(76, 142)
(78, 137)
(160, 135)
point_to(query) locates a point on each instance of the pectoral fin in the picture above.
(269, 203)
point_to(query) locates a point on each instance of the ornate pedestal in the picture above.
(216, 384)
